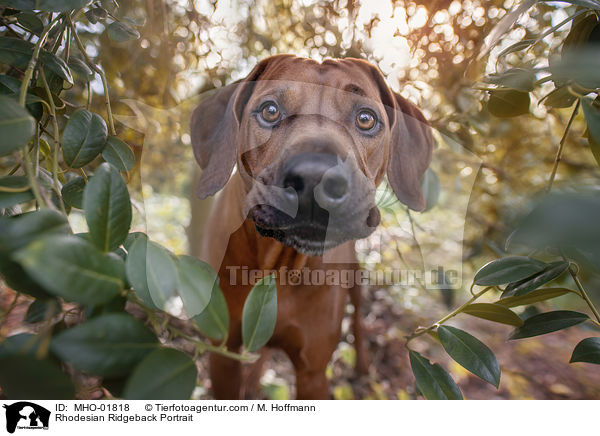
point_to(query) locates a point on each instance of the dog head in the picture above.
(311, 142)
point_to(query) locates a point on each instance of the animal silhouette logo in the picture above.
(26, 415)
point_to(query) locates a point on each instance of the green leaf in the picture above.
(566, 220)
(84, 138)
(559, 98)
(259, 314)
(11, 86)
(118, 266)
(164, 374)
(72, 192)
(580, 65)
(27, 378)
(96, 14)
(385, 199)
(70, 267)
(131, 238)
(17, 52)
(122, 32)
(494, 312)
(115, 385)
(533, 297)
(507, 270)
(431, 188)
(107, 208)
(137, 21)
(592, 118)
(196, 281)
(20, 230)
(17, 279)
(16, 125)
(162, 278)
(517, 46)
(31, 22)
(522, 287)
(581, 28)
(46, 5)
(42, 309)
(214, 320)
(135, 267)
(432, 380)
(590, 4)
(587, 350)
(118, 154)
(116, 305)
(9, 199)
(109, 345)
(82, 73)
(514, 78)
(23, 344)
(152, 272)
(547, 323)
(506, 103)
(504, 26)
(470, 353)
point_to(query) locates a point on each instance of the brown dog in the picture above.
(311, 141)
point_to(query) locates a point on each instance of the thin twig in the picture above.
(561, 145)
(418, 280)
(89, 95)
(25, 162)
(83, 174)
(56, 140)
(33, 61)
(423, 330)
(581, 289)
(93, 66)
(414, 236)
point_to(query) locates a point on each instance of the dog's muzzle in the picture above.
(329, 208)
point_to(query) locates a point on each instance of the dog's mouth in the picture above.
(306, 239)
(311, 237)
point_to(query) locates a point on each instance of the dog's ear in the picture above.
(214, 126)
(411, 143)
(410, 153)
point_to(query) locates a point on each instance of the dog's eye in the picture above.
(270, 112)
(365, 120)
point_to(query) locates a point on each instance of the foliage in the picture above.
(560, 229)
(67, 157)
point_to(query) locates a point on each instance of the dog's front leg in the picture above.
(226, 377)
(312, 384)
(226, 373)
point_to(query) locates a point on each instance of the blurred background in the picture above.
(486, 168)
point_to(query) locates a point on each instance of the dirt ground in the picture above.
(535, 368)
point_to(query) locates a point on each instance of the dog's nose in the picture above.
(317, 179)
(334, 187)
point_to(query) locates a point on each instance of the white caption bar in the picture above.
(298, 417)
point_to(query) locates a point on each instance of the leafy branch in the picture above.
(95, 274)
(524, 277)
